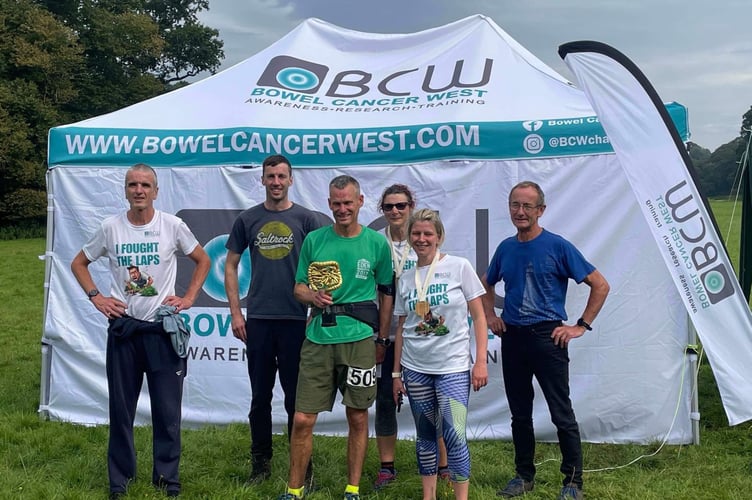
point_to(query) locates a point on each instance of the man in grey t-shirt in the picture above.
(273, 332)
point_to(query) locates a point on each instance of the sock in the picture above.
(352, 489)
(298, 492)
(388, 466)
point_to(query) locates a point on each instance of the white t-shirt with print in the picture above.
(142, 259)
(439, 342)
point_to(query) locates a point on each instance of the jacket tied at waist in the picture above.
(171, 322)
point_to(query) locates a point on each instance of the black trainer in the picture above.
(571, 492)
(169, 490)
(260, 472)
(516, 488)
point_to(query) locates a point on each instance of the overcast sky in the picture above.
(695, 52)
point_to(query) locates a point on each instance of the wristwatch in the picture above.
(92, 293)
(386, 342)
(581, 322)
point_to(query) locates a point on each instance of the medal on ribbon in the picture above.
(422, 307)
(398, 261)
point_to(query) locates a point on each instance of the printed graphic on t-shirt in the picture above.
(275, 240)
(136, 257)
(139, 283)
(364, 269)
(432, 325)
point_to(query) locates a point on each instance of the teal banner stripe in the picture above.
(71, 146)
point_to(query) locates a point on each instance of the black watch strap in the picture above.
(581, 322)
(386, 342)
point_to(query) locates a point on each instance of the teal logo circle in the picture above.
(714, 282)
(297, 78)
(214, 286)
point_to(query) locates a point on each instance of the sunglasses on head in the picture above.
(387, 207)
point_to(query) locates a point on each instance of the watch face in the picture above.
(93, 293)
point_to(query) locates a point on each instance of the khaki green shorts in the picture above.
(324, 368)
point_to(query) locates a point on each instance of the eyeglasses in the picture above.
(387, 207)
(526, 207)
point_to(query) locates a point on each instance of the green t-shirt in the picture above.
(364, 261)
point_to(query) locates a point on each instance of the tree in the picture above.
(190, 48)
(136, 49)
(717, 171)
(746, 124)
(745, 243)
(38, 60)
(697, 152)
(66, 60)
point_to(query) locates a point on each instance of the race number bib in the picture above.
(361, 377)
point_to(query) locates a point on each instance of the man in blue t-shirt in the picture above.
(536, 267)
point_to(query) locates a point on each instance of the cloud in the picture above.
(249, 26)
(693, 52)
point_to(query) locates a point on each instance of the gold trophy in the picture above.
(325, 276)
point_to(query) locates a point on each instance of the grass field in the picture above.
(54, 460)
(728, 215)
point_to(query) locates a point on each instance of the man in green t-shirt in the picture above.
(341, 270)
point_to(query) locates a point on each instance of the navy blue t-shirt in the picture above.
(274, 239)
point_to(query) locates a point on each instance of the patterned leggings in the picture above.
(440, 402)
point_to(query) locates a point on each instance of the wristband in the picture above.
(396, 374)
(584, 324)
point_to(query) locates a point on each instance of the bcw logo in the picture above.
(290, 73)
(717, 283)
(298, 75)
(704, 252)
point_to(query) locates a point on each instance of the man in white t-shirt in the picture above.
(149, 241)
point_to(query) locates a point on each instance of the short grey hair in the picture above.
(141, 167)
(342, 181)
(530, 184)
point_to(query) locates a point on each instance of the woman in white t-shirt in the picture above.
(432, 359)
